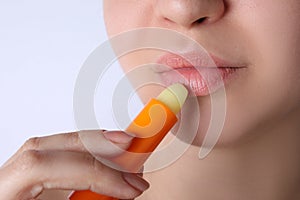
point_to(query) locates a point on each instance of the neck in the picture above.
(266, 168)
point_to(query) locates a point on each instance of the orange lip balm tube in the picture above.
(149, 127)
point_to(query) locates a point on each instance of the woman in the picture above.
(257, 154)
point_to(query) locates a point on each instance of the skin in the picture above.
(51, 167)
(263, 41)
(260, 139)
(257, 154)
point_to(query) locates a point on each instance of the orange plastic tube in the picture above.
(150, 127)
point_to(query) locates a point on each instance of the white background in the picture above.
(43, 44)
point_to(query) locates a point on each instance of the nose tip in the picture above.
(191, 12)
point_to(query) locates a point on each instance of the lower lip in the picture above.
(202, 81)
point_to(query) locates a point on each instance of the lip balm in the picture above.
(149, 127)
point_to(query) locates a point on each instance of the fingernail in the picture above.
(117, 136)
(136, 181)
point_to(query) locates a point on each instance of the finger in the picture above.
(97, 142)
(108, 144)
(35, 171)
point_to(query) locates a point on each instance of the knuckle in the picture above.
(94, 166)
(32, 143)
(97, 166)
(73, 140)
(29, 159)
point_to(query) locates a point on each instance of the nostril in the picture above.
(200, 20)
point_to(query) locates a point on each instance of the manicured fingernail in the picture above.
(136, 181)
(117, 136)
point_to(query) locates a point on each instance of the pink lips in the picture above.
(201, 73)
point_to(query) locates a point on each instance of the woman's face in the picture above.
(259, 39)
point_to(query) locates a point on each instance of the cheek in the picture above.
(126, 15)
(278, 43)
(271, 89)
(116, 16)
(137, 67)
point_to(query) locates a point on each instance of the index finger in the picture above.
(97, 142)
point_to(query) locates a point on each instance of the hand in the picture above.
(62, 162)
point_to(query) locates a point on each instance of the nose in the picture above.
(189, 13)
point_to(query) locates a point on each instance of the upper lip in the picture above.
(192, 59)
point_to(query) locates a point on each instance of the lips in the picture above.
(201, 73)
